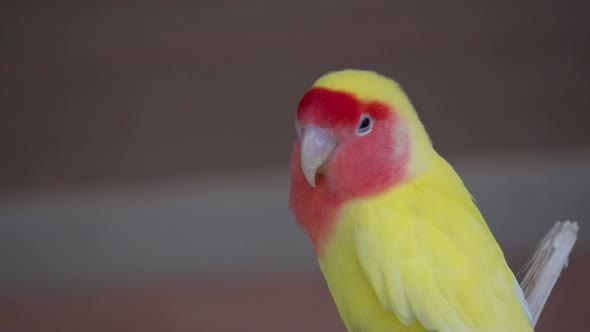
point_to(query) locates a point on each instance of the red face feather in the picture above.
(359, 166)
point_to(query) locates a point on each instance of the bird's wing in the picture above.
(430, 259)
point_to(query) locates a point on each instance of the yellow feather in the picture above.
(418, 256)
(420, 251)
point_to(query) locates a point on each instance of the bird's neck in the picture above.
(317, 210)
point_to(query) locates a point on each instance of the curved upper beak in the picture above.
(317, 144)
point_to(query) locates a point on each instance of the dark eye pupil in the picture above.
(365, 123)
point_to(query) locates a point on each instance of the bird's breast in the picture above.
(355, 299)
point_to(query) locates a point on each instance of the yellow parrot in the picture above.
(397, 235)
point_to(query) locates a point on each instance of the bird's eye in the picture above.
(365, 125)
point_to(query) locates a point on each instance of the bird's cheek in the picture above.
(335, 166)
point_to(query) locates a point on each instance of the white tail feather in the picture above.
(538, 276)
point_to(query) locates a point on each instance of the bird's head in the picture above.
(358, 133)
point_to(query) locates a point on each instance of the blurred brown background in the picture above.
(144, 149)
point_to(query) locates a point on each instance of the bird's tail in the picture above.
(538, 276)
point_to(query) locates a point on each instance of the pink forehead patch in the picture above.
(330, 108)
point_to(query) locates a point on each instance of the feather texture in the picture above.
(428, 258)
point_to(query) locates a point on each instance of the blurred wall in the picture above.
(144, 148)
(103, 92)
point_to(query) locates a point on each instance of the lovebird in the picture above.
(398, 237)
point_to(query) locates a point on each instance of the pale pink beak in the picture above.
(317, 145)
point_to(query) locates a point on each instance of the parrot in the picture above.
(397, 235)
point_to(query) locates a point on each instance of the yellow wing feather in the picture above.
(429, 257)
